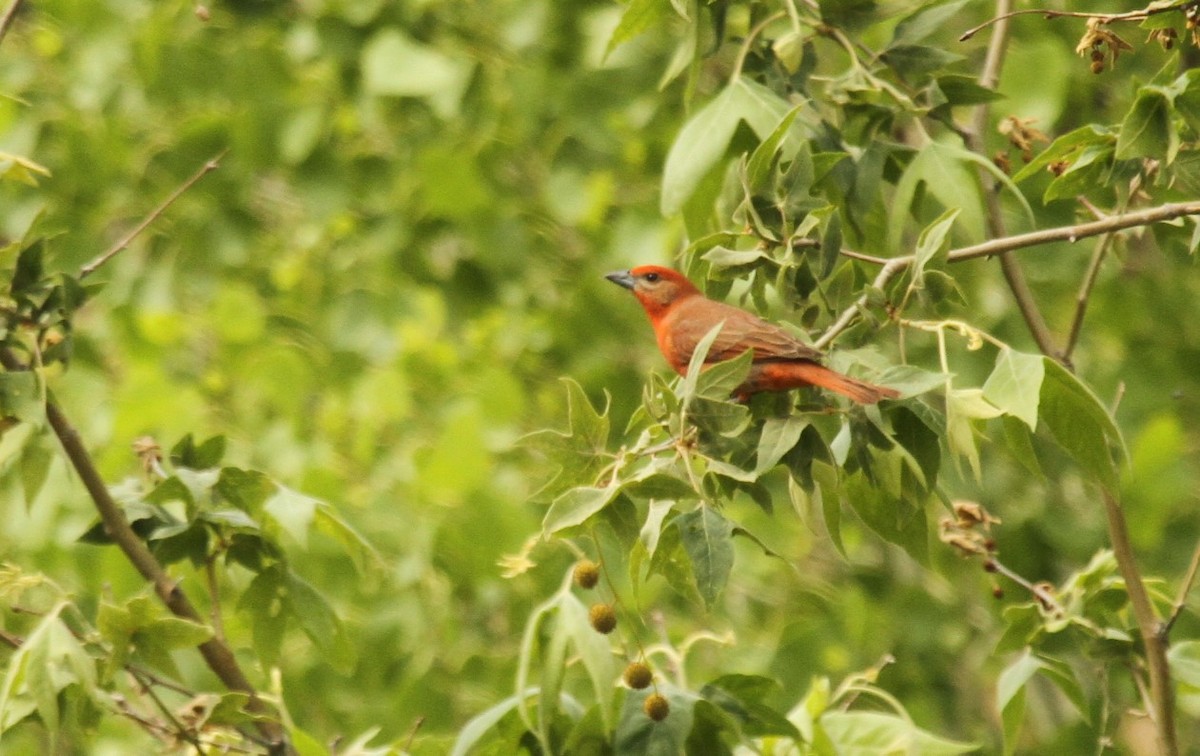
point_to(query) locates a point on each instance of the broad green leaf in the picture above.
(1010, 695)
(933, 241)
(1146, 130)
(478, 726)
(320, 623)
(1184, 658)
(708, 539)
(579, 453)
(575, 507)
(706, 136)
(659, 486)
(963, 406)
(1065, 147)
(638, 16)
(20, 396)
(699, 356)
(910, 380)
(779, 435)
(1080, 423)
(928, 20)
(944, 172)
(1015, 385)
(595, 651)
(638, 734)
(395, 65)
(293, 512)
(859, 733)
(758, 169)
(35, 467)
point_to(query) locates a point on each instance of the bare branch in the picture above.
(209, 166)
(1162, 696)
(1105, 18)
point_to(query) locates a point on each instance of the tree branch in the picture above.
(1112, 223)
(217, 655)
(10, 15)
(209, 166)
(1105, 18)
(1162, 696)
(1009, 265)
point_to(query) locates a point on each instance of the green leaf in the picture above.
(293, 512)
(708, 539)
(1080, 423)
(575, 507)
(942, 170)
(779, 435)
(639, 15)
(963, 406)
(1184, 658)
(35, 467)
(638, 734)
(928, 20)
(20, 396)
(320, 623)
(1015, 385)
(933, 241)
(478, 726)
(1010, 695)
(758, 169)
(871, 732)
(394, 65)
(1066, 146)
(706, 136)
(595, 651)
(579, 453)
(1146, 130)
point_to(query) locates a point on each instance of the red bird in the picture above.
(682, 316)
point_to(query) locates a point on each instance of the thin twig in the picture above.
(1009, 266)
(848, 316)
(1043, 596)
(217, 655)
(1162, 696)
(1084, 295)
(1105, 18)
(209, 166)
(1184, 589)
(10, 15)
(179, 730)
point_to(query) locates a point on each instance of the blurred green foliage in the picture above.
(374, 295)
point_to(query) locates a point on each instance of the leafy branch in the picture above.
(891, 266)
(1104, 18)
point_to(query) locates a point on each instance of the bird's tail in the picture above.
(784, 375)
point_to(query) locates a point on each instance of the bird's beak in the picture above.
(622, 278)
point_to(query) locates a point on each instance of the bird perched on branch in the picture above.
(682, 316)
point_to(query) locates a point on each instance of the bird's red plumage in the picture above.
(681, 316)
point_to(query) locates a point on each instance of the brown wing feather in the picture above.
(695, 317)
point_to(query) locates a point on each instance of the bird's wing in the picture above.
(741, 331)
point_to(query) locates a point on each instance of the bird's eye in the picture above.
(651, 277)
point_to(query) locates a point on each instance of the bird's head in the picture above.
(656, 287)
